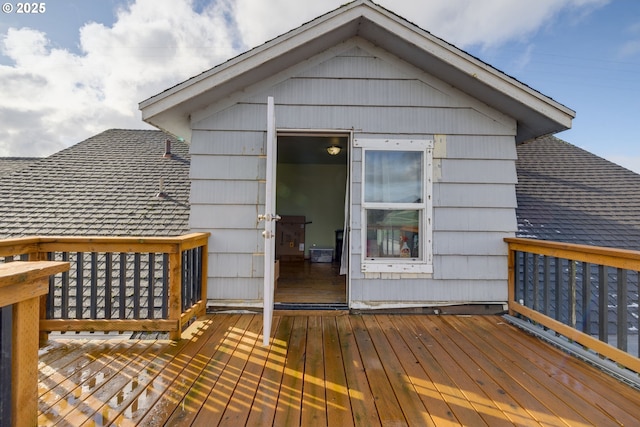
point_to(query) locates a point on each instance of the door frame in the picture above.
(349, 134)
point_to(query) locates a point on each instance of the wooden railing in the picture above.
(119, 283)
(21, 285)
(584, 293)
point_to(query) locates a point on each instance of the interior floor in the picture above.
(310, 282)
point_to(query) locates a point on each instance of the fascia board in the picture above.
(458, 62)
(252, 59)
(380, 27)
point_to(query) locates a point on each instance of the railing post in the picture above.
(175, 291)
(511, 280)
(572, 294)
(43, 336)
(204, 256)
(622, 310)
(21, 286)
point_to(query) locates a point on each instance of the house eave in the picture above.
(535, 113)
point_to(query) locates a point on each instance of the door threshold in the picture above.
(293, 306)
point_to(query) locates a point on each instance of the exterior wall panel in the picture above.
(478, 196)
(226, 217)
(346, 91)
(366, 91)
(376, 119)
(225, 192)
(484, 171)
(478, 242)
(227, 167)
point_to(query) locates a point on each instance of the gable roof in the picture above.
(105, 185)
(570, 195)
(535, 113)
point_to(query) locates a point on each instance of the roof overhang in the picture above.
(535, 113)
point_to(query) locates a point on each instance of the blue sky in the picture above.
(83, 66)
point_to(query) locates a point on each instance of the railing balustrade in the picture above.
(119, 283)
(585, 293)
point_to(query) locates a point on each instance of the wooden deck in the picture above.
(335, 370)
(305, 282)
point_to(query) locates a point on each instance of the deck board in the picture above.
(593, 390)
(336, 387)
(361, 370)
(360, 394)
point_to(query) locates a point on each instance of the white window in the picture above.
(396, 205)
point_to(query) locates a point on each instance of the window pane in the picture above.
(393, 176)
(393, 233)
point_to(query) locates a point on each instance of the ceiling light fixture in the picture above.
(334, 150)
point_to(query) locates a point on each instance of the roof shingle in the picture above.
(105, 185)
(570, 195)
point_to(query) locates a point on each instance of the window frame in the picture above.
(424, 264)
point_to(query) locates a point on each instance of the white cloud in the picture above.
(51, 98)
(631, 47)
(461, 22)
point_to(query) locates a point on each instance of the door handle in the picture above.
(269, 217)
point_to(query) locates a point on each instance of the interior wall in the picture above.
(317, 192)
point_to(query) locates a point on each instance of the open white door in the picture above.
(269, 217)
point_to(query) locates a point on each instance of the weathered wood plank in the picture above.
(389, 409)
(107, 391)
(336, 388)
(531, 384)
(57, 373)
(363, 405)
(241, 342)
(620, 258)
(414, 411)
(130, 407)
(314, 405)
(24, 360)
(182, 372)
(593, 388)
(622, 357)
(263, 408)
(439, 412)
(438, 369)
(69, 392)
(462, 370)
(288, 408)
(21, 272)
(109, 325)
(495, 406)
(18, 292)
(247, 387)
(201, 367)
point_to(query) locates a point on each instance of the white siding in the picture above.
(227, 193)
(472, 171)
(376, 119)
(368, 91)
(474, 219)
(472, 243)
(482, 196)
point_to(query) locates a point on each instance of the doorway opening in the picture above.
(311, 195)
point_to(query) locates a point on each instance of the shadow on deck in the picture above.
(335, 370)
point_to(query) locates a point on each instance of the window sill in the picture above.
(396, 267)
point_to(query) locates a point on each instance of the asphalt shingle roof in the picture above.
(103, 186)
(107, 185)
(11, 164)
(570, 195)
